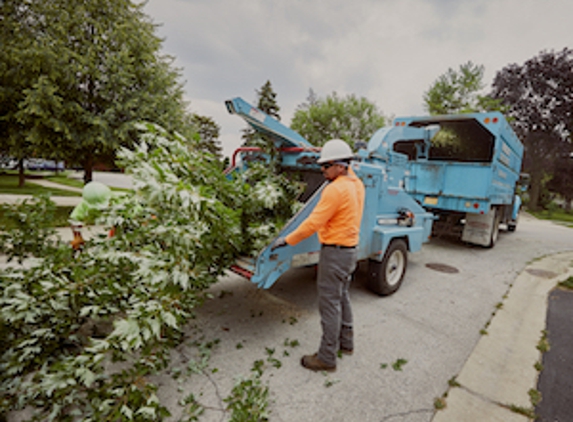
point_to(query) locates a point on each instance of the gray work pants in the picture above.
(335, 268)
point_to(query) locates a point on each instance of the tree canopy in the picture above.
(267, 103)
(459, 92)
(350, 118)
(539, 97)
(208, 131)
(76, 75)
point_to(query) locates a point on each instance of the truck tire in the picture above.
(385, 277)
(494, 229)
(512, 225)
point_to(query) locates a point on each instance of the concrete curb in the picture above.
(501, 369)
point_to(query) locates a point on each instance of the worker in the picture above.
(336, 219)
(95, 198)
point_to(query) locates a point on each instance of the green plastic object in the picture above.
(97, 195)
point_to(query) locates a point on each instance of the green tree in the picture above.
(562, 180)
(208, 132)
(267, 103)
(15, 76)
(351, 118)
(539, 97)
(459, 92)
(90, 70)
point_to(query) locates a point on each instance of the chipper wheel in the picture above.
(385, 277)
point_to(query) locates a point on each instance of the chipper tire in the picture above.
(385, 277)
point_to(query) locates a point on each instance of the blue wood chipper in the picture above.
(455, 174)
(393, 222)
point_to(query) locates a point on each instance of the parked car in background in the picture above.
(10, 163)
(7, 163)
(42, 164)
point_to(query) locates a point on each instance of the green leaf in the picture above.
(127, 412)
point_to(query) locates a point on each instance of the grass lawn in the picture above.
(64, 180)
(9, 185)
(554, 215)
(61, 217)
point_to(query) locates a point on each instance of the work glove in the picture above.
(279, 243)
(77, 242)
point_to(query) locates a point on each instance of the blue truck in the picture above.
(463, 168)
(415, 174)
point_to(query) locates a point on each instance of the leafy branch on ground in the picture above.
(397, 365)
(82, 337)
(16, 241)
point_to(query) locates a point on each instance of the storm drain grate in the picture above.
(442, 268)
(541, 273)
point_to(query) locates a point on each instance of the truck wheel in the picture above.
(385, 278)
(512, 225)
(494, 229)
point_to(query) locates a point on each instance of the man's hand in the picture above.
(279, 243)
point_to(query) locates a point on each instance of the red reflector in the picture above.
(476, 205)
(241, 271)
(495, 119)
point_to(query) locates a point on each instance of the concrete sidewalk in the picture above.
(501, 370)
(49, 184)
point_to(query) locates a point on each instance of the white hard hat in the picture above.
(333, 150)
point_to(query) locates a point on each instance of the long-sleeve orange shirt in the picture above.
(337, 216)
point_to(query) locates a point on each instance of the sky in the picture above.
(388, 51)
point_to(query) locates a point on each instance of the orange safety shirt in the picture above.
(337, 216)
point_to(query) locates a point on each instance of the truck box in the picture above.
(464, 168)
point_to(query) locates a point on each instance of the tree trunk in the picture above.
(21, 178)
(534, 190)
(568, 200)
(88, 170)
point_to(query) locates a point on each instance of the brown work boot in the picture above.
(314, 363)
(345, 351)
